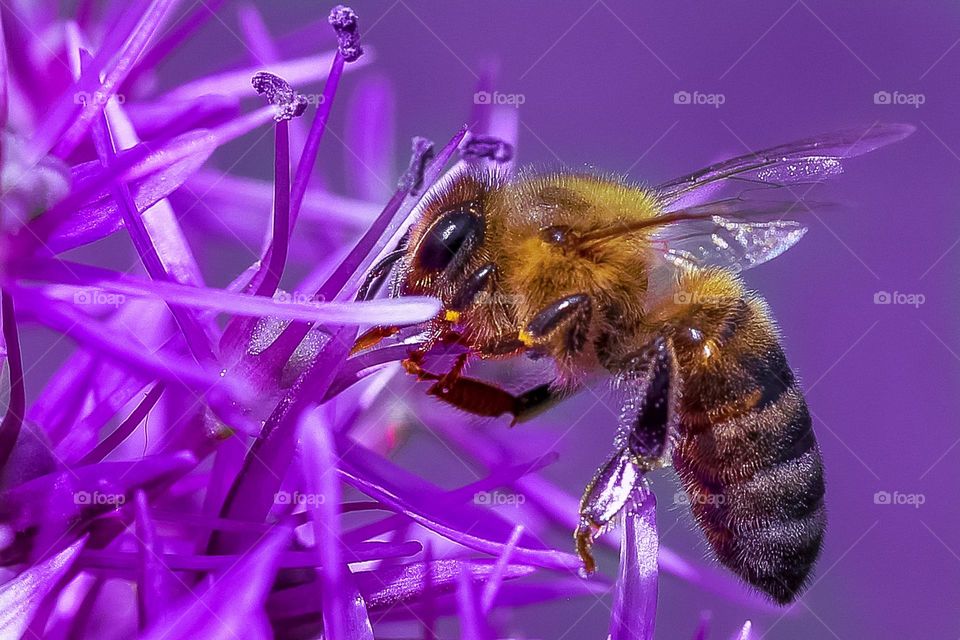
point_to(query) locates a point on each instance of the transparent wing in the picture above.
(695, 228)
(736, 233)
(805, 161)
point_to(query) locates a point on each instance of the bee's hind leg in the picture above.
(641, 445)
(605, 496)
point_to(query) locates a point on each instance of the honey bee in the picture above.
(642, 283)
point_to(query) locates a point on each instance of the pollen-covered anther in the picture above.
(421, 156)
(491, 147)
(279, 93)
(344, 21)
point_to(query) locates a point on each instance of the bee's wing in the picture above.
(736, 233)
(804, 161)
(744, 231)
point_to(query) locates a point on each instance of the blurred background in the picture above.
(867, 302)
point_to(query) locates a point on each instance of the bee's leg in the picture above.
(413, 364)
(379, 272)
(369, 288)
(641, 445)
(647, 418)
(372, 337)
(440, 332)
(482, 398)
(535, 401)
(605, 496)
(375, 278)
(570, 314)
(476, 284)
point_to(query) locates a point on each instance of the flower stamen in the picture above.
(490, 147)
(279, 93)
(344, 21)
(412, 178)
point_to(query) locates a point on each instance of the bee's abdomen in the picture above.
(747, 455)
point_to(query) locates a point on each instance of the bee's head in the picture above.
(446, 245)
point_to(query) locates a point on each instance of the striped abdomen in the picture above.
(746, 452)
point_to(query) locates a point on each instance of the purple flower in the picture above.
(211, 446)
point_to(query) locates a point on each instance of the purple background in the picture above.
(598, 80)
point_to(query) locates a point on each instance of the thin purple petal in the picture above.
(21, 597)
(232, 607)
(635, 600)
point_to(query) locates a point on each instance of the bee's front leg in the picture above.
(482, 398)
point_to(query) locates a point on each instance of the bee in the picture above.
(603, 276)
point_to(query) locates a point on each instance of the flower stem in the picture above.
(197, 340)
(126, 428)
(308, 158)
(16, 407)
(277, 253)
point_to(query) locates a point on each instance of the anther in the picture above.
(412, 178)
(279, 93)
(491, 147)
(344, 21)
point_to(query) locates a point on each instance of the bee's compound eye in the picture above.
(454, 231)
